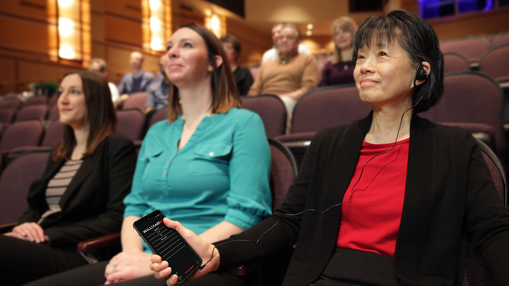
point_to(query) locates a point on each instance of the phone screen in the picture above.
(169, 244)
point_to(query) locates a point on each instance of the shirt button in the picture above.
(168, 161)
(164, 174)
(211, 154)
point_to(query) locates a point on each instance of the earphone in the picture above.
(421, 74)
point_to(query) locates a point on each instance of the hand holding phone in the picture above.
(169, 245)
(204, 249)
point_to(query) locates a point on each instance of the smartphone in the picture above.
(169, 244)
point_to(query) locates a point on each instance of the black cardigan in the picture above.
(448, 187)
(92, 204)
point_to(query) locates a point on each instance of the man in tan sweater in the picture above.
(291, 75)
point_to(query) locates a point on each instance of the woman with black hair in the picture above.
(384, 200)
(80, 194)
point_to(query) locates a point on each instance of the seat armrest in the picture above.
(4, 228)
(99, 242)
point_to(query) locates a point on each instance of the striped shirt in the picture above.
(57, 186)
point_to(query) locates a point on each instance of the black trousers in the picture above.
(22, 261)
(93, 275)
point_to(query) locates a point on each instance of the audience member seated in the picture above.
(273, 53)
(243, 75)
(80, 194)
(290, 76)
(340, 69)
(158, 90)
(384, 200)
(136, 81)
(99, 65)
(192, 166)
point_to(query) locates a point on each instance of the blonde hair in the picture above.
(346, 24)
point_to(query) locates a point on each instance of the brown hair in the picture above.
(225, 94)
(346, 24)
(237, 47)
(101, 117)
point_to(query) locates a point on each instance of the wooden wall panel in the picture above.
(254, 43)
(36, 72)
(125, 8)
(23, 34)
(123, 31)
(8, 70)
(27, 8)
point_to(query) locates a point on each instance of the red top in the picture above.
(370, 219)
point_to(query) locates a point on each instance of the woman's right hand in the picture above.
(29, 231)
(202, 248)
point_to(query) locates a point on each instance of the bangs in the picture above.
(374, 31)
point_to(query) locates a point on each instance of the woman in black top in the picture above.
(243, 75)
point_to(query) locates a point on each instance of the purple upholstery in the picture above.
(130, 123)
(12, 102)
(136, 100)
(39, 111)
(470, 97)
(35, 100)
(272, 111)
(53, 113)
(491, 38)
(302, 136)
(22, 133)
(471, 270)
(158, 116)
(454, 62)
(53, 134)
(471, 48)
(495, 62)
(283, 172)
(502, 40)
(6, 116)
(52, 101)
(328, 106)
(254, 72)
(15, 182)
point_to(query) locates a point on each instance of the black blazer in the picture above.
(92, 204)
(448, 189)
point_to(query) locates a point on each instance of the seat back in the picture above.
(283, 172)
(454, 62)
(136, 100)
(326, 107)
(35, 100)
(471, 48)
(254, 71)
(272, 111)
(12, 102)
(53, 114)
(38, 111)
(502, 40)
(158, 116)
(53, 135)
(7, 115)
(471, 97)
(22, 133)
(130, 123)
(15, 183)
(495, 62)
(471, 269)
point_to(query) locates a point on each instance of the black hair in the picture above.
(418, 39)
(228, 38)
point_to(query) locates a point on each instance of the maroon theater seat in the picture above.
(12, 102)
(271, 110)
(22, 133)
(136, 100)
(454, 62)
(35, 100)
(471, 48)
(39, 111)
(130, 123)
(495, 62)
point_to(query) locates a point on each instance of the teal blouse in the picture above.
(221, 174)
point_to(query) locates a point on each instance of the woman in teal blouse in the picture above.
(208, 167)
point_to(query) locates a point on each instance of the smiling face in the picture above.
(187, 63)
(343, 39)
(71, 102)
(384, 75)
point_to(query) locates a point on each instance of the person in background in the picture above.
(384, 200)
(158, 90)
(243, 75)
(136, 81)
(290, 76)
(192, 166)
(340, 69)
(80, 195)
(99, 65)
(273, 53)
